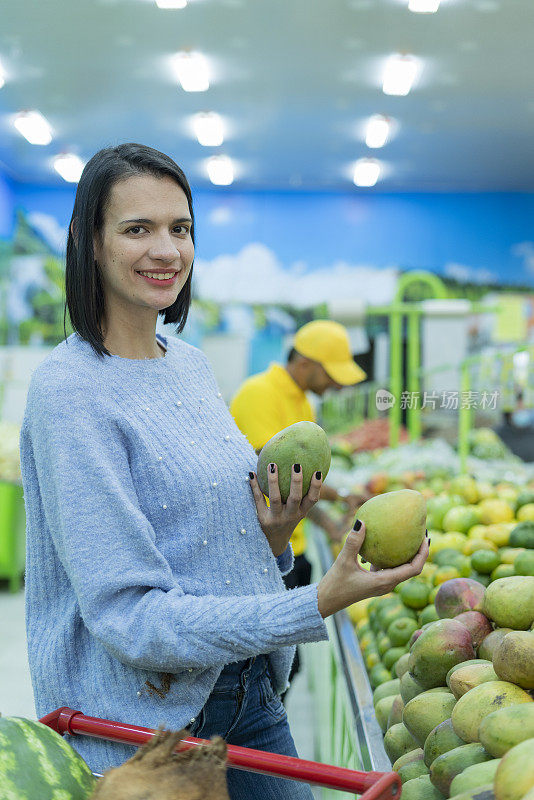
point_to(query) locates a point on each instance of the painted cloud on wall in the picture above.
(255, 275)
(525, 250)
(465, 274)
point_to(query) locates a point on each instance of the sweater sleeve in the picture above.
(76, 454)
(286, 560)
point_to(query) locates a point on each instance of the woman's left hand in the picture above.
(278, 520)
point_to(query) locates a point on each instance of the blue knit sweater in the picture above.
(147, 569)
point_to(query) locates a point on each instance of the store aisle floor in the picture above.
(16, 697)
(299, 707)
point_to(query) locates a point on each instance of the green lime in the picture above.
(437, 507)
(461, 519)
(433, 593)
(450, 557)
(369, 643)
(463, 565)
(428, 614)
(524, 497)
(522, 535)
(392, 656)
(374, 622)
(396, 613)
(385, 601)
(383, 644)
(484, 561)
(524, 563)
(366, 640)
(502, 571)
(414, 593)
(388, 609)
(446, 557)
(400, 631)
(363, 629)
(378, 674)
(445, 574)
(371, 660)
(478, 576)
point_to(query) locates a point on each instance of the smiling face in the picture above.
(147, 228)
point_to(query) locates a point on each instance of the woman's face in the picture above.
(147, 228)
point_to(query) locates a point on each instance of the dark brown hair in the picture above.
(83, 284)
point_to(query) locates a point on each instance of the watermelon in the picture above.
(36, 762)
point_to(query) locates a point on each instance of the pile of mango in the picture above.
(453, 685)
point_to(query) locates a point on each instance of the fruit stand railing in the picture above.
(345, 410)
(485, 381)
(346, 730)
(494, 373)
(338, 413)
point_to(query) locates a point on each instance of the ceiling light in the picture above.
(69, 166)
(366, 171)
(399, 75)
(2, 76)
(34, 127)
(192, 71)
(220, 170)
(171, 3)
(208, 129)
(423, 6)
(378, 129)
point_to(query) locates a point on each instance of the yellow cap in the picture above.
(327, 342)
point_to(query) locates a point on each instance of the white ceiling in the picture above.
(294, 81)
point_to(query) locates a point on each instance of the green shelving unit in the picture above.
(12, 534)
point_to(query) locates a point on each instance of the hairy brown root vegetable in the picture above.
(156, 772)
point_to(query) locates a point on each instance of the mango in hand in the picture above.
(395, 524)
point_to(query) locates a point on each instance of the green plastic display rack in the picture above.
(12, 534)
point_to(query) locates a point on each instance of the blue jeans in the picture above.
(245, 710)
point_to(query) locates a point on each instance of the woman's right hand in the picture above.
(346, 581)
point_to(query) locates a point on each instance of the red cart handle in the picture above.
(371, 785)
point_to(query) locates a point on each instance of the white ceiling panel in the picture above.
(294, 81)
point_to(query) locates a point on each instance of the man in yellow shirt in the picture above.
(269, 401)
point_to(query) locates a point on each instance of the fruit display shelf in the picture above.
(449, 654)
(12, 512)
(346, 730)
(432, 458)
(12, 533)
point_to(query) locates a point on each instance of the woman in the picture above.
(154, 567)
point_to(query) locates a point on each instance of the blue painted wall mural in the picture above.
(290, 251)
(470, 236)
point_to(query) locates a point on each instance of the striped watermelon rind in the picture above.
(36, 762)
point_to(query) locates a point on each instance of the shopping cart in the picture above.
(370, 785)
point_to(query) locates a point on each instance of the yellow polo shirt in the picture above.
(262, 406)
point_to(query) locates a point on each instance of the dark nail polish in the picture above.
(363, 560)
(426, 533)
(251, 476)
(271, 467)
(296, 467)
(318, 475)
(357, 525)
(429, 542)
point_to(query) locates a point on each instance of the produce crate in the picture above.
(12, 534)
(346, 730)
